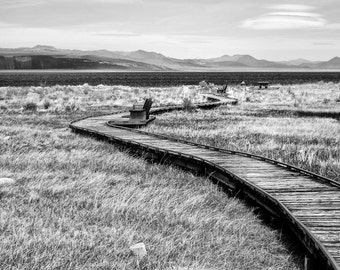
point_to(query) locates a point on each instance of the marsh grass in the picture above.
(270, 125)
(79, 203)
(84, 97)
(30, 106)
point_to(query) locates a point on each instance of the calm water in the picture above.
(31, 78)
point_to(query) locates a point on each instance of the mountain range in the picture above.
(48, 57)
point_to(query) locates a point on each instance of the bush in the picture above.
(30, 106)
(46, 104)
(187, 104)
(68, 108)
(71, 106)
(326, 101)
(290, 92)
(297, 102)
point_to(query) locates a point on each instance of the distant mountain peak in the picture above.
(334, 61)
(243, 56)
(146, 60)
(336, 58)
(44, 47)
(147, 52)
(141, 54)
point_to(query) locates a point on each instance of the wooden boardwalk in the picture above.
(309, 204)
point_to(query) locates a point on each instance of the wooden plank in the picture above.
(300, 189)
(255, 170)
(323, 223)
(316, 207)
(322, 195)
(258, 172)
(334, 251)
(335, 212)
(276, 186)
(326, 237)
(184, 148)
(322, 230)
(241, 162)
(319, 218)
(235, 159)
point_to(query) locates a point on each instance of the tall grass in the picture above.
(270, 128)
(79, 203)
(84, 97)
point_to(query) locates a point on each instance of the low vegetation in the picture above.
(61, 98)
(270, 124)
(79, 204)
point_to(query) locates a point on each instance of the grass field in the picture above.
(82, 98)
(79, 204)
(297, 124)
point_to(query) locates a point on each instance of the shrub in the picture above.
(297, 102)
(68, 108)
(46, 104)
(3, 107)
(30, 106)
(43, 83)
(71, 106)
(326, 101)
(187, 104)
(290, 92)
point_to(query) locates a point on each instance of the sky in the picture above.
(265, 29)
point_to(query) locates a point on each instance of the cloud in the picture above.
(286, 17)
(333, 26)
(16, 4)
(114, 1)
(4, 25)
(291, 7)
(111, 34)
(9, 4)
(323, 43)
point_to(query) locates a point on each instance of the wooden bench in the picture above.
(264, 84)
(139, 116)
(141, 111)
(222, 90)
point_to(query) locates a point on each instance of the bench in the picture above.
(264, 84)
(141, 111)
(222, 90)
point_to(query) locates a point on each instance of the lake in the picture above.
(155, 79)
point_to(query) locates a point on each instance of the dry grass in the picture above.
(270, 125)
(84, 97)
(79, 204)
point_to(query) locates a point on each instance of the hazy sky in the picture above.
(275, 30)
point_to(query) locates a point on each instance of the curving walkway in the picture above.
(308, 203)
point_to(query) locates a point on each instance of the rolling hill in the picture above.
(48, 57)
